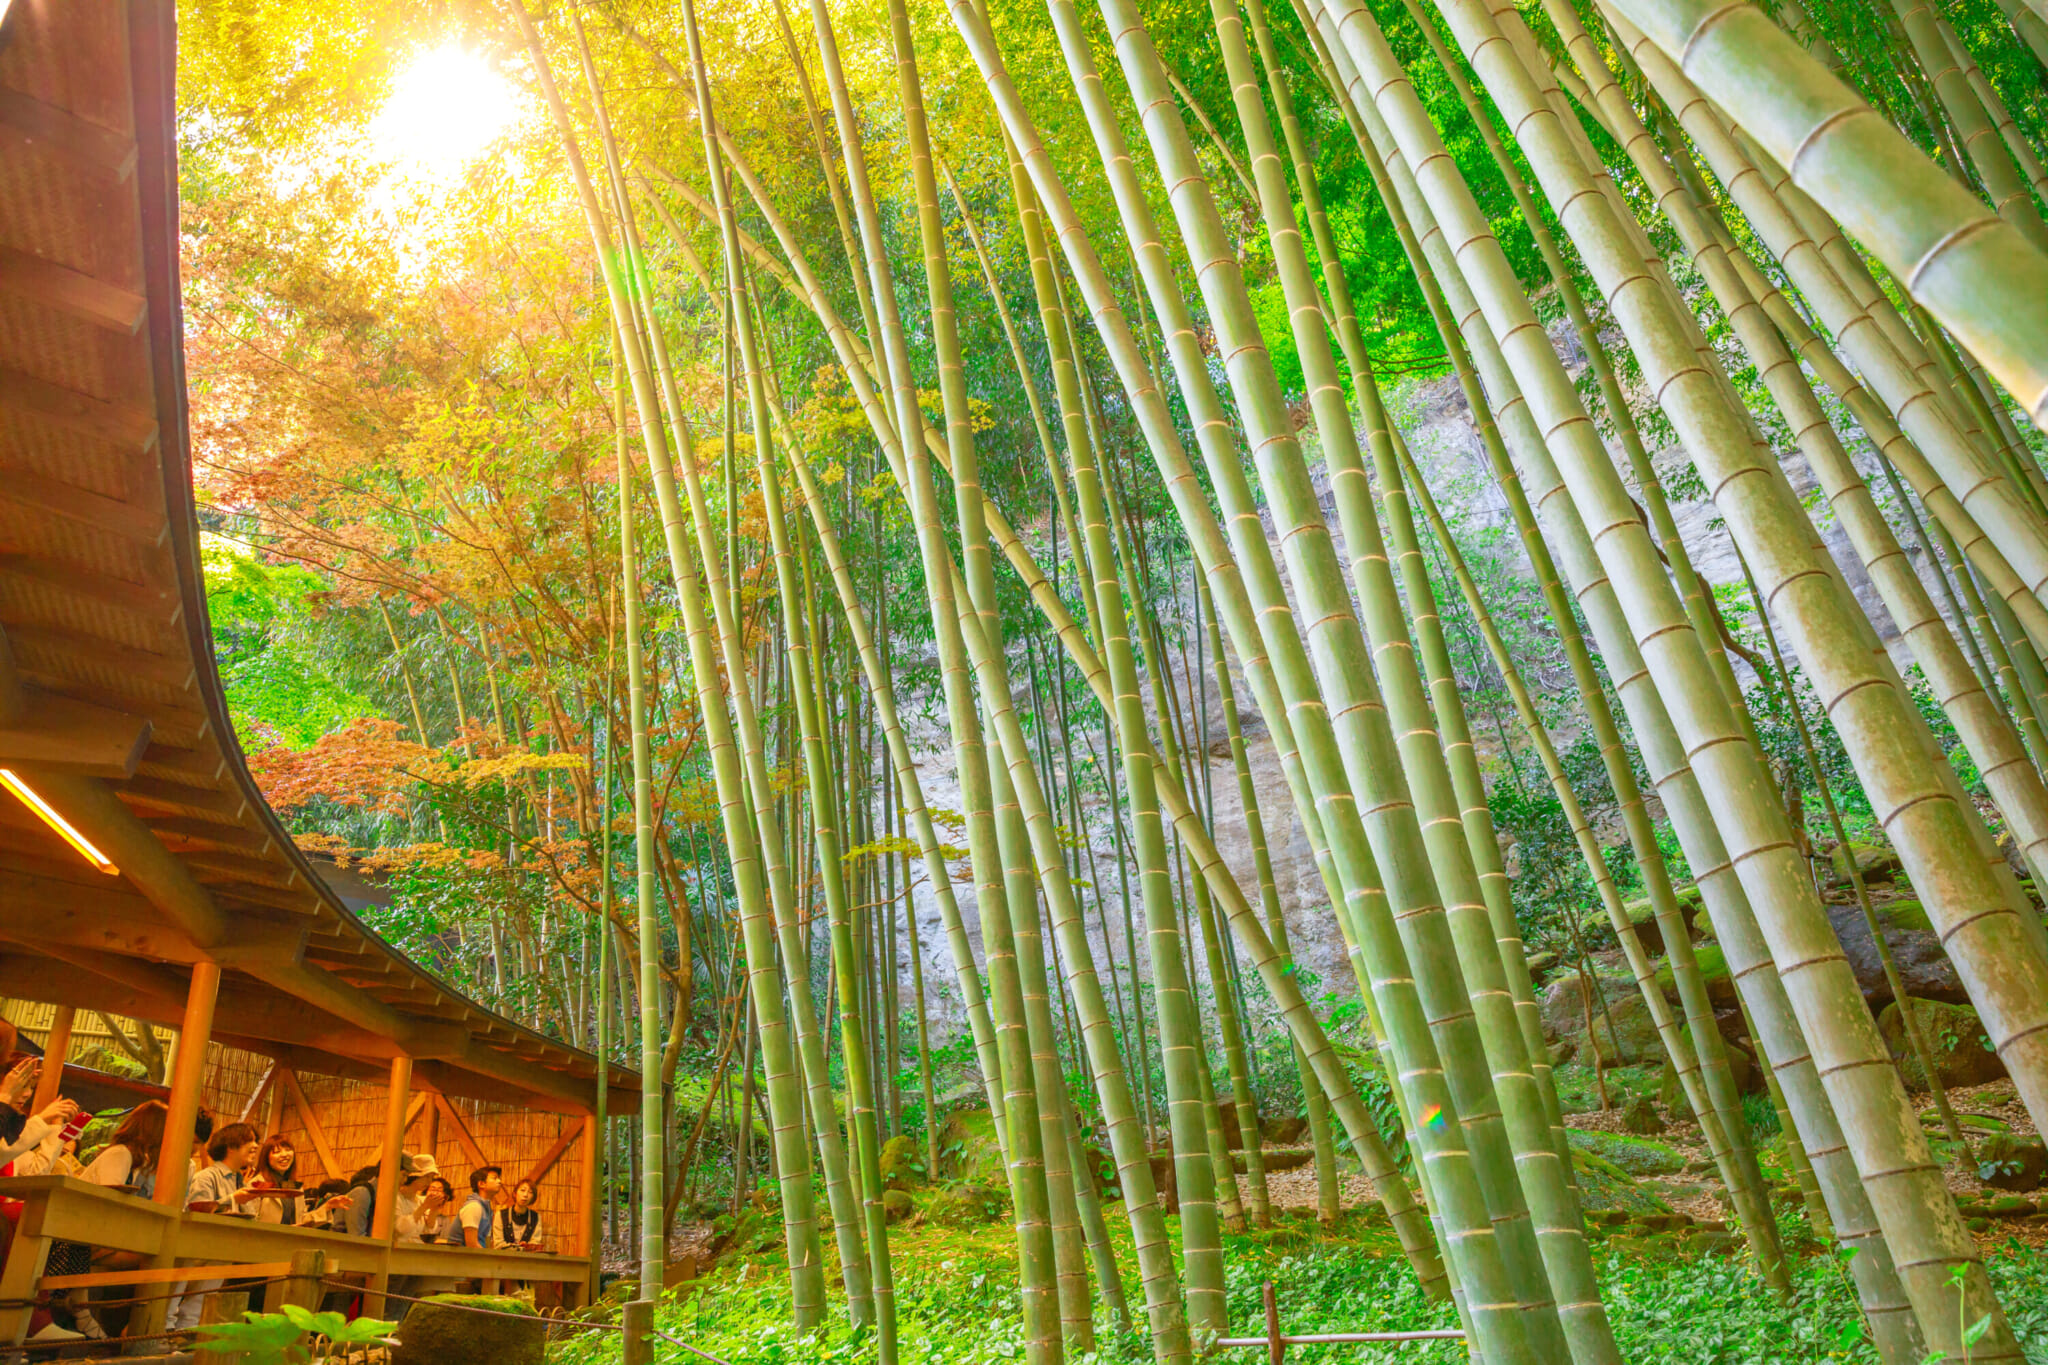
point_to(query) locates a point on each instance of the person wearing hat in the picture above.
(415, 1169)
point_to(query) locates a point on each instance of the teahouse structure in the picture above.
(142, 875)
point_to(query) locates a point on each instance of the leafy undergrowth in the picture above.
(957, 1304)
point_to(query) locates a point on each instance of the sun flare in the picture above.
(446, 108)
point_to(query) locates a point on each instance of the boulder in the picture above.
(1713, 967)
(1636, 1156)
(1276, 1158)
(1286, 1132)
(1877, 862)
(1541, 965)
(1906, 912)
(966, 1205)
(897, 1205)
(436, 1331)
(1563, 1010)
(1923, 966)
(1643, 915)
(2006, 1162)
(968, 1149)
(902, 1163)
(1955, 1040)
(1640, 1116)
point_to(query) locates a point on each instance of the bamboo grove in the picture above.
(1659, 245)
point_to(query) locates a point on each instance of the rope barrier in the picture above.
(563, 1321)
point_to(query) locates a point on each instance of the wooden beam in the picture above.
(463, 1137)
(131, 426)
(37, 978)
(413, 1110)
(547, 1159)
(58, 734)
(322, 1148)
(60, 130)
(170, 667)
(144, 862)
(182, 798)
(160, 1275)
(182, 832)
(56, 1047)
(141, 525)
(71, 291)
(86, 584)
(263, 1088)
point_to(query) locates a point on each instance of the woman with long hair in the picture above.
(277, 1168)
(129, 1158)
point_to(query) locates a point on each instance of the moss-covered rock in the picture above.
(1605, 1186)
(2017, 1164)
(1906, 912)
(1877, 862)
(1638, 1156)
(1276, 1158)
(967, 1205)
(1955, 1039)
(1713, 971)
(897, 1205)
(1639, 1115)
(968, 1149)
(438, 1331)
(1632, 1038)
(902, 1163)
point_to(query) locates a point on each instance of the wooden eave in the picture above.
(104, 637)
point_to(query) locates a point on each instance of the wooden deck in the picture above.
(59, 1207)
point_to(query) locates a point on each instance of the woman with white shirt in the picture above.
(34, 1146)
(432, 1216)
(130, 1157)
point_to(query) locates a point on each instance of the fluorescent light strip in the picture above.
(48, 814)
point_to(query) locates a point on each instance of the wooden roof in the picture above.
(110, 705)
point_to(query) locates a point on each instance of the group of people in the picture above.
(235, 1169)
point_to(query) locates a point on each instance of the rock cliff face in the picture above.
(1437, 422)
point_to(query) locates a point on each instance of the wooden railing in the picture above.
(61, 1208)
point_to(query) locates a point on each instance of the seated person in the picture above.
(202, 1134)
(130, 1157)
(231, 1153)
(327, 1206)
(29, 1143)
(414, 1170)
(432, 1217)
(277, 1168)
(519, 1223)
(480, 1211)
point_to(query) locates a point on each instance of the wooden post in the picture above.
(592, 1242)
(221, 1306)
(26, 1257)
(302, 1286)
(55, 1049)
(388, 1177)
(188, 1076)
(637, 1317)
(174, 1158)
(1275, 1348)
